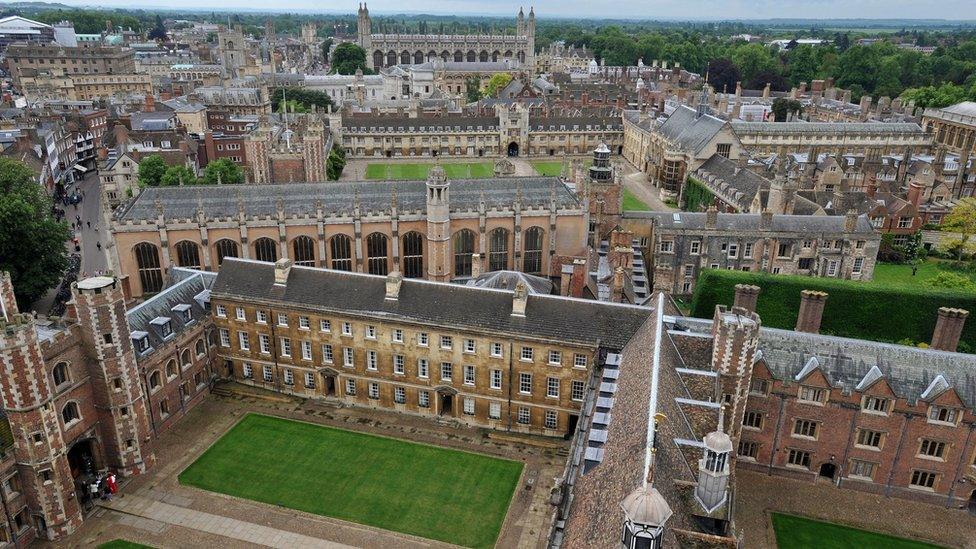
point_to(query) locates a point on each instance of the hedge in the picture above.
(861, 310)
(697, 196)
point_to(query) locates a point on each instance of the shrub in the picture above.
(854, 309)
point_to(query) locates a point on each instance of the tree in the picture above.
(960, 225)
(471, 89)
(348, 58)
(782, 107)
(177, 175)
(158, 32)
(335, 163)
(723, 75)
(299, 99)
(151, 170)
(26, 220)
(496, 83)
(951, 281)
(326, 46)
(223, 169)
(753, 59)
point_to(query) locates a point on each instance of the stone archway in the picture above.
(446, 401)
(513, 149)
(828, 470)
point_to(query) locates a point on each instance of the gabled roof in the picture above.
(690, 132)
(144, 319)
(873, 375)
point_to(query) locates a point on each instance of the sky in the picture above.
(624, 9)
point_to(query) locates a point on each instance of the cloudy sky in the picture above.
(631, 9)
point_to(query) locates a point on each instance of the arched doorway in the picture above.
(445, 398)
(81, 458)
(828, 470)
(329, 377)
(513, 149)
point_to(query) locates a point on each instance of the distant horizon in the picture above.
(876, 11)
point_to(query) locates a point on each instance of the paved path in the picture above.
(214, 524)
(636, 182)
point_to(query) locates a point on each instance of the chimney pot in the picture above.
(711, 217)
(746, 296)
(948, 329)
(520, 299)
(475, 265)
(812, 305)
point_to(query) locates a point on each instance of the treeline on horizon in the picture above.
(946, 76)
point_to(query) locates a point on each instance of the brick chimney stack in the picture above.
(475, 265)
(850, 221)
(948, 329)
(915, 193)
(711, 217)
(746, 297)
(812, 305)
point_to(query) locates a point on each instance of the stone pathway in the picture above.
(636, 182)
(214, 524)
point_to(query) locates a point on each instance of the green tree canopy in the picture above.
(347, 58)
(229, 172)
(32, 242)
(176, 175)
(496, 83)
(158, 32)
(151, 170)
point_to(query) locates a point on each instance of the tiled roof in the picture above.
(340, 197)
(750, 222)
(770, 128)
(188, 285)
(451, 306)
(689, 131)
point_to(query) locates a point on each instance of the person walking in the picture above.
(98, 245)
(89, 224)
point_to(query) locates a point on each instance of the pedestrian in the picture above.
(98, 245)
(89, 224)
(93, 489)
(112, 484)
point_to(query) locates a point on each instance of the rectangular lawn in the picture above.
(436, 493)
(800, 533)
(632, 203)
(397, 171)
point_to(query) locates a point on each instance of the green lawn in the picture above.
(890, 274)
(414, 171)
(800, 533)
(631, 202)
(446, 495)
(553, 168)
(123, 544)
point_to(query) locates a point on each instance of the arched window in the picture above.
(498, 250)
(405, 57)
(304, 251)
(378, 59)
(532, 257)
(201, 348)
(266, 249)
(171, 368)
(150, 274)
(341, 248)
(418, 57)
(458, 56)
(472, 56)
(185, 358)
(61, 374)
(70, 412)
(188, 254)
(225, 248)
(463, 249)
(413, 255)
(391, 59)
(483, 56)
(376, 254)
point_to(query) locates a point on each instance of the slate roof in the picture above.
(771, 128)
(739, 179)
(966, 108)
(429, 123)
(845, 362)
(188, 285)
(450, 306)
(750, 222)
(688, 131)
(339, 198)
(507, 280)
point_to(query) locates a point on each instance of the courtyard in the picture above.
(794, 532)
(448, 495)
(403, 171)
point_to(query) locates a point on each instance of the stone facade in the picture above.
(387, 50)
(25, 60)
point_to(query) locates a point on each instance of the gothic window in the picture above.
(155, 380)
(483, 56)
(341, 248)
(188, 254)
(498, 250)
(304, 251)
(472, 56)
(532, 262)
(376, 245)
(413, 255)
(458, 56)
(225, 248)
(266, 249)
(200, 347)
(171, 368)
(378, 59)
(418, 57)
(391, 59)
(405, 57)
(70, 413)
(185, 358)
(463, 250)
(150, 274)
(61, 373)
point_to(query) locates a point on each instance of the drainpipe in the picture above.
(779, 426)
(274, 348)
(847, 449)
(511, 381)
(894, 464)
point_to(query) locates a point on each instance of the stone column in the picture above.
(812, 305)
(948, 328)
(746, 296)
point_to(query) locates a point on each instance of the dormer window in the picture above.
(141, 342)
(942, 414)
(184, 312)
(813, 395)
(164, 325)
(876, 405)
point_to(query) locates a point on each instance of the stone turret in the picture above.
(438, 225)
(122, 407)
(40, 449)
